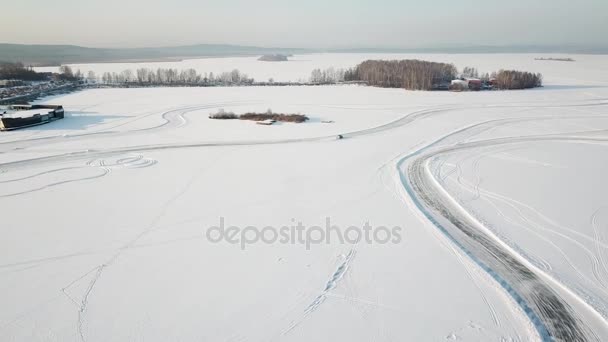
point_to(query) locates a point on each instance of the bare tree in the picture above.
(66, 72)
(91, 76)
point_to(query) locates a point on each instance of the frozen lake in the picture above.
(106, 213)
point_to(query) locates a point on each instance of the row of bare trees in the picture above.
(408, 74)
(161, 76)
(327, 76)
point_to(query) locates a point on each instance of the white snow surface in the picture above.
(105, 212)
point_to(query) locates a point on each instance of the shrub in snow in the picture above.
(223, 115)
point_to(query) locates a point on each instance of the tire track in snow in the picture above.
(600, 247)
(595, 262)
(104, 167)
(598, 266)
(104, 172)
(159, 147)
(529, 224)
(99, 270)
(552, 316)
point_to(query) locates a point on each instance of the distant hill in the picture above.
(458, 49)
(46, 55)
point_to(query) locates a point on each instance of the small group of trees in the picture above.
(161, 76)
(327, 76)
(511, 79)
(223, 115)
(66, 74)
(268, 115)
(17, 71)
(408, 74)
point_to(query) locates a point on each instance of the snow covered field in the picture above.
(500, 197)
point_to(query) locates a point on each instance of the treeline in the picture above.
(408, 74)
(506, 79)
(511, 79)
(160, 76)
(424, 75)
(17, 71)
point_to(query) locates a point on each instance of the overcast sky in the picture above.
(305, 23)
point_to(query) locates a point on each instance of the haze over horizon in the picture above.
(311, 24)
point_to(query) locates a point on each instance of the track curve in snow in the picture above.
(553, 316)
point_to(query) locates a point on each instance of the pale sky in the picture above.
(305, 23)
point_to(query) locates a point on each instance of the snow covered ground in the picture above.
(105, 213)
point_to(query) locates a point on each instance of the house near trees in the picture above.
(424, 75)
